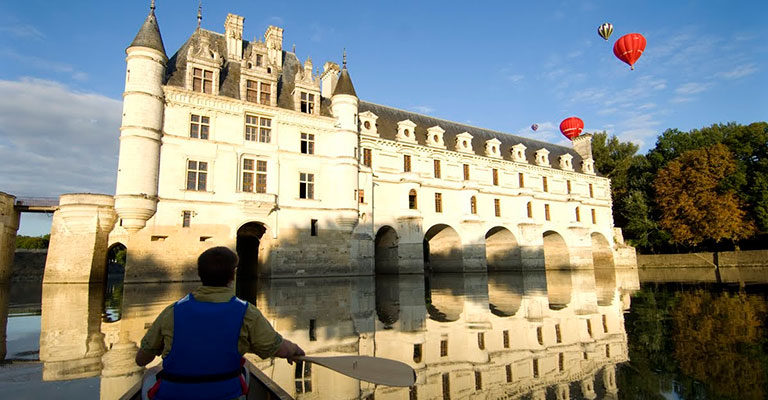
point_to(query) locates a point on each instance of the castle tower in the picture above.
(141, 130)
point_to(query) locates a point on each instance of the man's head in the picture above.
(216, 266)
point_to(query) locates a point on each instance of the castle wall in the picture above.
(9, 224)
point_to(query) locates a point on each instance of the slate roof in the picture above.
(388, 117)
(386, 125)
(149, 34)
(344, 86)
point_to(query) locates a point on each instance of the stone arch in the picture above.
(113, 278)
(556, 255)
(605, 274)
(443, 249)
(559, 288)
(250, 250)
(386, 250)
(505, 293)
(502, 253)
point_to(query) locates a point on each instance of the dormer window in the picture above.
(464, 142)
(259, 60)
(258, 92)
(542, 157)
(566, 162)
(435, 137)
(202, 80)
(368, 122)
(406, 131)
(588, 166)
(518, 153)
(492, 148)
(307, 103)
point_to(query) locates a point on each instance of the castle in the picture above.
(237, 143)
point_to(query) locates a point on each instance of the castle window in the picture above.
(417, 353)
(578, 215)
(258, 92)
(307, 143)
(594, 216)
(437, 169)
(561, 362)
(202, 80)
(589, 328)
(478, 380)
(558, 335)
(568, 186)
(406, 163)
(307, 103)
(605, 323)
(186, 219)
(497, 207)
(361, 196)
(412, 199)
(446, 386)
(509, 372)
(249, 173)
(306, 186)
(259, 60)
(540, 335)
(521, 180)
(438, 202)
(495, 177)
(591, 191)
(544, 184)
(443, 347)
(367, 124)
(546, 212)
(303, 377)
(199, 126)
(258, 128)
(367, 157)
(466, 172)
(197, 175)
(505, 338)
(473, 205)
(529, 208)
(312, 232)
(535, 367)
(481, 340)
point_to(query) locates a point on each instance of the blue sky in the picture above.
(500, 65)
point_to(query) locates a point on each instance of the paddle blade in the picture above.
(381, 371)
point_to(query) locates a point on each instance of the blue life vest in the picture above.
(204, 362)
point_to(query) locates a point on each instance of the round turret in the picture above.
(141, 129)
(344, 101)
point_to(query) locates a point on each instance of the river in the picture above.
(553, 335)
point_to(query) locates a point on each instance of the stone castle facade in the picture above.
(237, 143)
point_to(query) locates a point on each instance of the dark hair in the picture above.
(216, 266)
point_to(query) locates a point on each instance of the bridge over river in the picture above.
(11, 208)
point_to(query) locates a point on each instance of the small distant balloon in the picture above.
(605, 30)
(629, 48)
(535, 127)
(571, 127)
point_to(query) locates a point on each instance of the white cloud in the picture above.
(692, 88)
(22, 31)
(739, 72)
(423, 109)
(56, 140)
(515, 78)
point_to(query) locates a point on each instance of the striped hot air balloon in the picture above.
(605, 30)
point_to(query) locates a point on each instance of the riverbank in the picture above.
(749, 266)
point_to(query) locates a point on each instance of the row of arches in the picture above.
(443, 250)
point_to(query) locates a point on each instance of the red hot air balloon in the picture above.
(629, 48)
(534, 127)
(571, 127)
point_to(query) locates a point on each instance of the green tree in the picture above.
(32, 242)
(695, 199)
(613, 159)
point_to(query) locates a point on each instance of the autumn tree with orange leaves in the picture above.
(695, 201)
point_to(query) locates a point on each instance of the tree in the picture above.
(695, 201)
(32, 242)
(613, 159)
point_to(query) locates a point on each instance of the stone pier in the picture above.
(79, 233)
(9, 224)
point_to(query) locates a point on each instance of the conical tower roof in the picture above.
(149, 34)
(345, 85)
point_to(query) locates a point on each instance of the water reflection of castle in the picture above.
(531, 335)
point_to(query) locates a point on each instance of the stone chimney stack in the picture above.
(233, 30)
(583, 145)
(329, 78)
(273, 38)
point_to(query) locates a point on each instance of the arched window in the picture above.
(412, 199)
(578, 215)
(473, 205)
(530, 210)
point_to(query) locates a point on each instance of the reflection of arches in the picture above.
(385, 251)
(501, 250)
(505, 293)
(559, 286)
(113, 288)
(605, 275)
(445, 301)
(248, 246)
(387, 301)
(442, 249)
(555, 251)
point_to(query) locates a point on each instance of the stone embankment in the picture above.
(749, 266)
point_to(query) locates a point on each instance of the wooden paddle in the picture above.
(381, 371)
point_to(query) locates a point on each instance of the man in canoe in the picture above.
(203, 336)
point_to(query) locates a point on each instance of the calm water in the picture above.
(553, 335)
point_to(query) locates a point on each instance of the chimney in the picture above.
(233, 30)
(273, 38)
(583, 145)
(329, 79)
